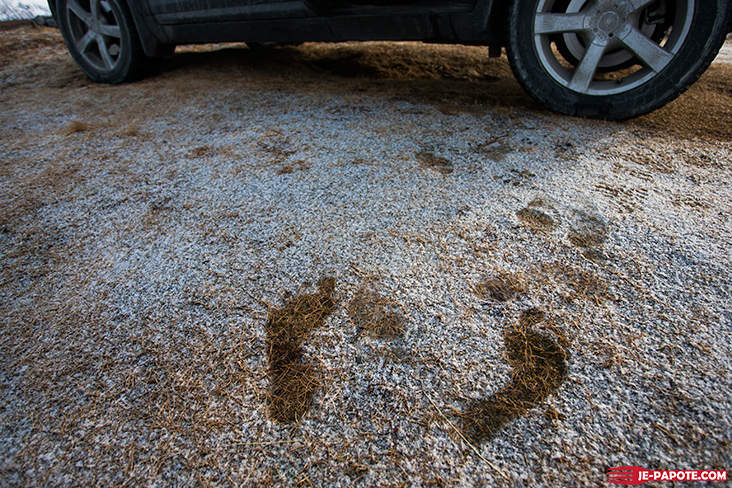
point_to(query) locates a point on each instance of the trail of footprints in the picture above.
(539, 361)
(293, 382)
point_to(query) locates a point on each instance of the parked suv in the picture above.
(610, 59)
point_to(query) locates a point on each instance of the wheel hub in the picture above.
(608, 22)
(94, 26)
(611, 18)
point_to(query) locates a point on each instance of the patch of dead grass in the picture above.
(404, 60)
(436, 163)
(588, 231)
(131, 132)
(573, 283)
(376, 316)
(76, 127)
(585, 285)
(200, 152)
(293, 383)
(289, 168)
(539, 364)
(537, 215)
(21, 39)
(496, 148)
(705, 111)
(504, 287)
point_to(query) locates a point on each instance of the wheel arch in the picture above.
(485, 24)
(152, 37)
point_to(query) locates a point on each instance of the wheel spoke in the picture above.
(79, 11)
(95, 11)
(587, 68)
(111, 30)
(652, 55)
(640, 4)
(106, 57)
(559, 23)
(82, 45)
(106, 8)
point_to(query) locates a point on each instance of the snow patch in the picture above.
(25, 9)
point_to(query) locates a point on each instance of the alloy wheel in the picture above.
(95, 31)
(606, 37)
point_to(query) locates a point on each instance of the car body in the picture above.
(611, 59)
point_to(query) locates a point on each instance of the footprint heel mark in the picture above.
(539, 368)
(501, 288)
(540, 215)
(436, 163)
(587, 231)
(293, 382)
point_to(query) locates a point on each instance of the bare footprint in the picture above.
(539, 368)
(587, 231)
(293, 383)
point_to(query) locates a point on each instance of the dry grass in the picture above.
(200, 152)
(429, 160)
(537, 215)
(293, 384)
(494, 148)
(289, 168)
(467, 76)
(76, 127)
(15, 48)
(587, 231)
(375, 315)
(400, 61)
(504, 287)
(583, 284)
(539, 363)
(705, 111)
(536, 218)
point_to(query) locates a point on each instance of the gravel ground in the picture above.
(473, 291)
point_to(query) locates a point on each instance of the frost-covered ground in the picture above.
(511, 298)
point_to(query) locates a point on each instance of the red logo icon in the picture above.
(626, 475)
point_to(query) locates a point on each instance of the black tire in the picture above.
(102, 38)
(668, 43)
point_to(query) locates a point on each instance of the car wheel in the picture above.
(102, 39)
(612, 59)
